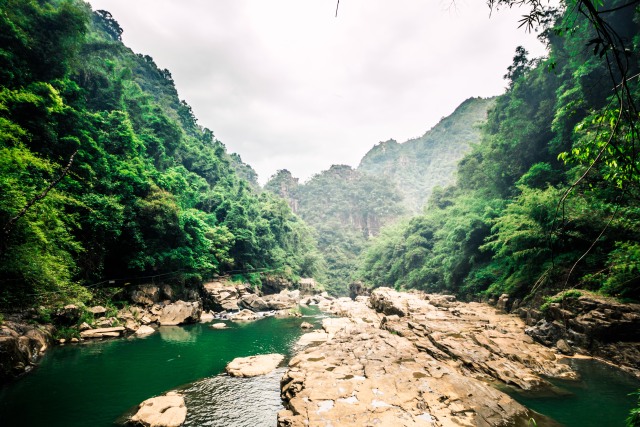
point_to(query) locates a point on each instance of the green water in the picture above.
(599, 399)
(95, 383)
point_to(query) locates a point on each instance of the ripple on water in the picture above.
(226, 401)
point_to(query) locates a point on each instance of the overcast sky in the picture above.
(287, 85)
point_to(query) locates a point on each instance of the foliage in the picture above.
(149, 192)
(633, 420)
(548, 199)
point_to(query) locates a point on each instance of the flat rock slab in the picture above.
(312, 338)
(103, 332)
(219, 326)
(162, 411)
(253, 366)
(145, 330)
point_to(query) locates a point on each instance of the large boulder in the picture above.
(282, 301)
(222, 295)
(180, 312)
(145, 294)
(253, 366)
(253, 302)
(162, 411)
(275, 285)
(21, 346)
(308, 286)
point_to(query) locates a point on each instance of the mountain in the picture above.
(419, 165)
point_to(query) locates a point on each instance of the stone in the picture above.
(206, 317)
(180, 312)
(306, 325)
(146, 295)
(102, 332)
(162, 411)
(414, 359)
(68, 315)
(281, 301)
(98, 311)
(254, 365)
(222, 295)
(84, 326)
(253, 302)
(564, 347)
(312, 338)
(219, 325)
(244, 316)
(504, 303)
(144, 330)
(308, 286)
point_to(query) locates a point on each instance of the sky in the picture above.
(288, 85)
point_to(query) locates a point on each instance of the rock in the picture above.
(68, 315)
(254, 365)
(206, 317)
(180, 312)
(75, 340)
(98, 311)
(308, 286)
(162, 411)
(103, 332)
(589, 323)
(219, 325)
(312, 338)
(275, 284)
(504, 303)
(21, 346)
(306, 325)
(244, 315)
(564, 347)
(365, 374)
(222, 295)
(145, 295)
(144, 330)
(253, 302)
(281, 301)
(357, 289)
(84, 326)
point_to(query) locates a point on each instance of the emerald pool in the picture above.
(95, 383)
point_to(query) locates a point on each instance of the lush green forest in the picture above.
(105, 174)
(549, 199)
(345, 207)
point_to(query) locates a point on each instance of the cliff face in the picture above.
(418, 165)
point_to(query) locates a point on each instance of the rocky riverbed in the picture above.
(405, 359)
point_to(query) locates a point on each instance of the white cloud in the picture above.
(287, 85)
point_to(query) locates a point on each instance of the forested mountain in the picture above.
(345, 207)
(419, 165)
(106, 174)
(549, 199)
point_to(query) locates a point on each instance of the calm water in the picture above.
(95, 383)
(600, 399)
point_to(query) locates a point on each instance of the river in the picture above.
(96, 383)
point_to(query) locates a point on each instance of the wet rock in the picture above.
(254, 365)
(162, 411)
(144, 330)
(306, 325)
(180, 312)
(219, 325)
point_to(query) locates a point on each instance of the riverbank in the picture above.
(418, 359)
